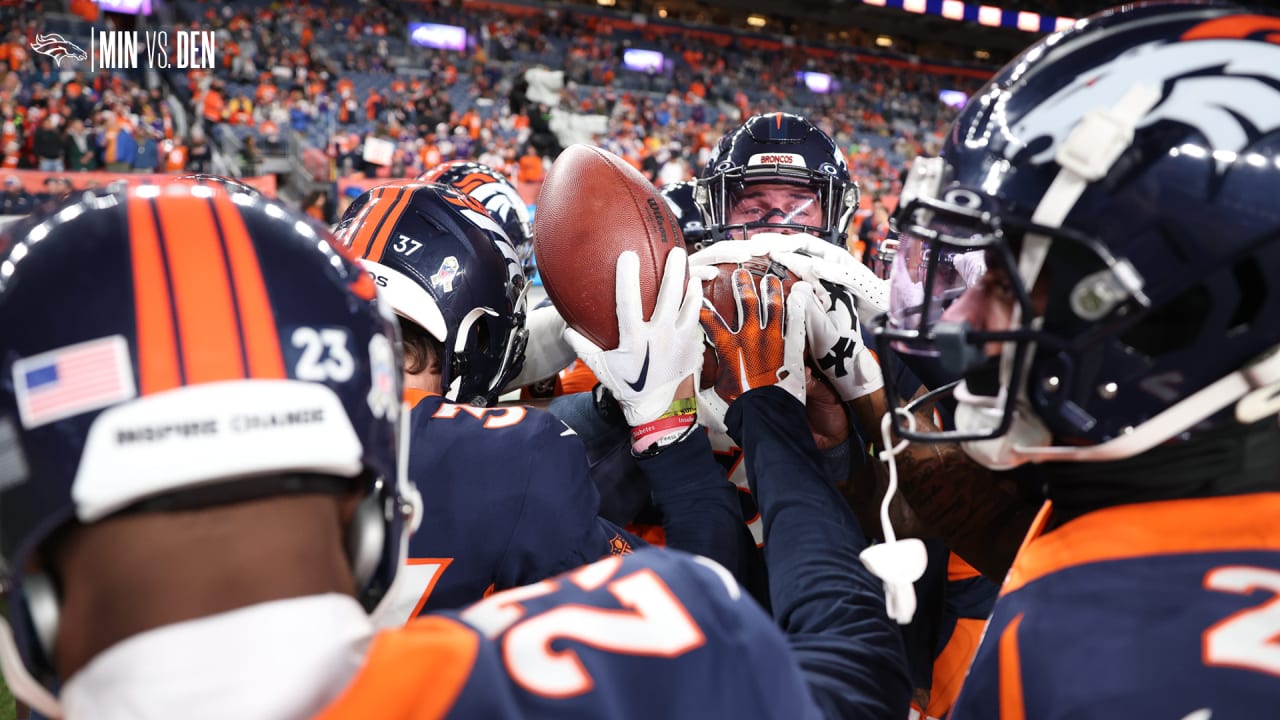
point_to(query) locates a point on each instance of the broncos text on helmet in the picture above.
(177, 344)
(446, 265)
(1116, 184)
(778, 148)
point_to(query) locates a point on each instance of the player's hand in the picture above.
(835, 342)
(653, 358)
(828, 419)
(765, 346)
(829, 267)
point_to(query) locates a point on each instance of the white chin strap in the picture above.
(898, 563)
(1254, 389)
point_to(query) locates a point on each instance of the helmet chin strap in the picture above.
(898, 563)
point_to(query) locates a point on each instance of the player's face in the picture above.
(775, 203)
(988, 304)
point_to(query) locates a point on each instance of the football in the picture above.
(591, 208)
(719, 292)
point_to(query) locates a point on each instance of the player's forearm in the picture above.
(954, 498)
(701, 513)
(830, 606)
(547, 353)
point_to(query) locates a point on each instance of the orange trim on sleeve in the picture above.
(257, 321)
(1012, 706)
(413, 396)
(207, 326)
(958, 569)
(415, 672)
(157, 345)
(1219, 524)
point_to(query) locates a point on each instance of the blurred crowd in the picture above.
(335, 75)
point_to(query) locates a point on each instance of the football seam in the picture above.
(653, 257)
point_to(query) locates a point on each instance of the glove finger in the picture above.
(771, 310)
(690, 307)
(744, 293)
(580, 344)
(794, 332)
(627, 292)
(671, 287)
(704, 273)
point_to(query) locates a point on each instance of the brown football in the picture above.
(592, 207)
(720, 292)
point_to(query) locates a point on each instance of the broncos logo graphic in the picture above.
(499, 199)
(58, 47)
(1231, 110)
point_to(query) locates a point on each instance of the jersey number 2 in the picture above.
(1249, 639)
(653, 623)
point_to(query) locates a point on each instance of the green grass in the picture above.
(7, 709)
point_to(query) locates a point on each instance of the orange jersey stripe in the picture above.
(387, 225)
(257, 322)
(207, 324)
(1012, 706)
(411, 673)
(1223, 524)
(158, 368)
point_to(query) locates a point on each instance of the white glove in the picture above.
(740, 251)
(835, 341)
(838, 268)
(653, 357)
(765, 346)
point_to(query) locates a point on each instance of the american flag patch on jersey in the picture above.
(72, 380)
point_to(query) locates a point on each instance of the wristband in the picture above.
(670, 427)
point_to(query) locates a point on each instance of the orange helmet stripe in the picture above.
(387, 226)
(201, 290)
(157, 356)
(257, 322)
(1237, 27)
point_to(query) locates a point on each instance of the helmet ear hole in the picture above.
(1175, 326)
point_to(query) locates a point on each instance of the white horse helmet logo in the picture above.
(1243, 92)
(58, 47)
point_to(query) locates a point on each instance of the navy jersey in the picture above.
(506, 502)
(658, 633)
(1156, 610)
(654, 634)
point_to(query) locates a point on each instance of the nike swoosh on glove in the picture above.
(653, 356)
(766, 348)
(835, 342)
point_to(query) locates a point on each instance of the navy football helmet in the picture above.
(176, 344)
(778, 148)
(446, 265)
(1115, 188)
(229, 184)
(680, 197)
(496, 193)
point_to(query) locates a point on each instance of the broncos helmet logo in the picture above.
(1231, 109)
(58, 47)
(499, 199)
